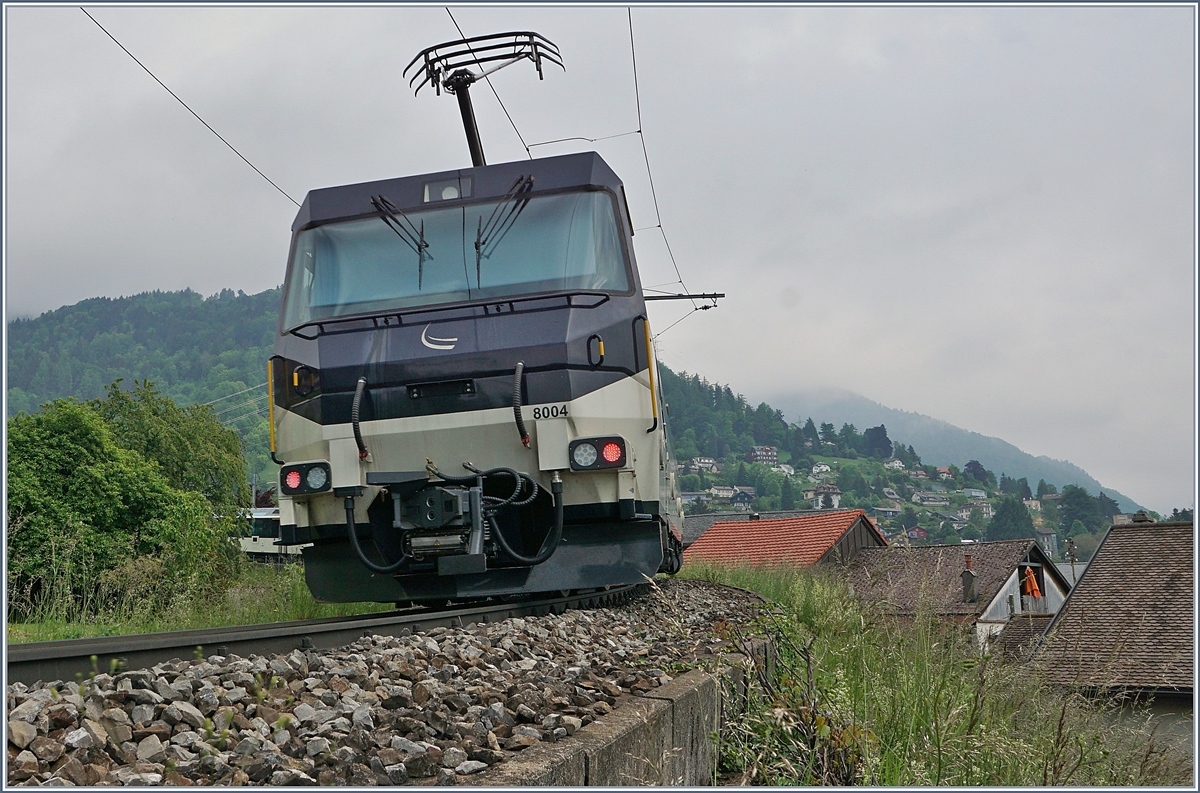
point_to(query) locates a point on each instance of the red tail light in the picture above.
(597, 454)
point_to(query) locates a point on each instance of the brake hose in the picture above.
(516, 403)
(352, 530)
(354, 406)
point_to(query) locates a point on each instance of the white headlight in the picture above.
(316, 477)
(584, 455)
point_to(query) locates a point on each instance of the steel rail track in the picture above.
(71, 659)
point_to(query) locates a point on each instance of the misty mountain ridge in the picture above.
(207, 349)
(939, 442)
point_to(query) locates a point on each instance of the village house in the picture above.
(706, 464)
(784, 469)
(694, 525)
(1032, 504)
(973, 492)
(952, 517)
(982, 584)
(1128, 626)
(944, 473)
(887, 511)
(1048, 539)
(817, 496)
(894, 465)
(929, 499)
(985, 509)
(821, 468)
(742, 497)
(763, 454)
(890, 493)
(721, 492)
(799, 541)
(918, 473)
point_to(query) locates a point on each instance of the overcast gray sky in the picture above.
(982, 214)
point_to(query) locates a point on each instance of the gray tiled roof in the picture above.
(903, 578)
(695, 525)
(1128, 623)
(1020, 635)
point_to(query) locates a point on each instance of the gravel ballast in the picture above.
(435, 707)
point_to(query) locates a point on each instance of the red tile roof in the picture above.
(801, 540)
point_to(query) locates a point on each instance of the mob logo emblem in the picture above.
(434, 343)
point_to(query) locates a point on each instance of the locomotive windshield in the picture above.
(559, 242)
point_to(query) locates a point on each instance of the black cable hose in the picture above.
(354, 406)
(549, 545)
(352, 530)
(552, 539)
(516, 403)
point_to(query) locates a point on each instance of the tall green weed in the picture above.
(863, 698)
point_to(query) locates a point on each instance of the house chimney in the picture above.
(753, 516)
(1142, 517)
(970, 594)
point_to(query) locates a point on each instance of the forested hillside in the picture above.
(195, 349)
(940, 440)
(214, 349)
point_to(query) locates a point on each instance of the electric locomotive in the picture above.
(464, 400)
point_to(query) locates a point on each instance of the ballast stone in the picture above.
(479, 704)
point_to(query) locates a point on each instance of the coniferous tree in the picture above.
(787, 499)
(1011, 521)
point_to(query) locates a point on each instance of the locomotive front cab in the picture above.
(463, 400)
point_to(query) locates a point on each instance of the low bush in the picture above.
(84, 512)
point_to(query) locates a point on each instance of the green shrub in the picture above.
(81, 507)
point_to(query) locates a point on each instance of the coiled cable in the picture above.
(494, 504)
(516, 403)
(354, 408)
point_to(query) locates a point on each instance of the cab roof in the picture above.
(583, 170)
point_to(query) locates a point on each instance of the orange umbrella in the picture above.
(1030, 585)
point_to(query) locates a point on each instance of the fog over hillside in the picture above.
(939, 442)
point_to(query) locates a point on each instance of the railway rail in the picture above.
(71, 659)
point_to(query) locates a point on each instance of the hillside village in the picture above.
(909, 502)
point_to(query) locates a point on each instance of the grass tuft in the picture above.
(260, 594)
(862, 698)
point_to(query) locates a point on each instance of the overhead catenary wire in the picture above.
(240, 405)
(589, 140)
(494, 91)
(189, 109)
(235, 393)
(637, 94)
(256, 412)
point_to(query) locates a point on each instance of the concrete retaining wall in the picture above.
(667, 737)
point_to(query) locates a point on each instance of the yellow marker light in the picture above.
(296, 379)
(601, 345)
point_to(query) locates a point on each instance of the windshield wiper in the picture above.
(412, 235)
(504, 215)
